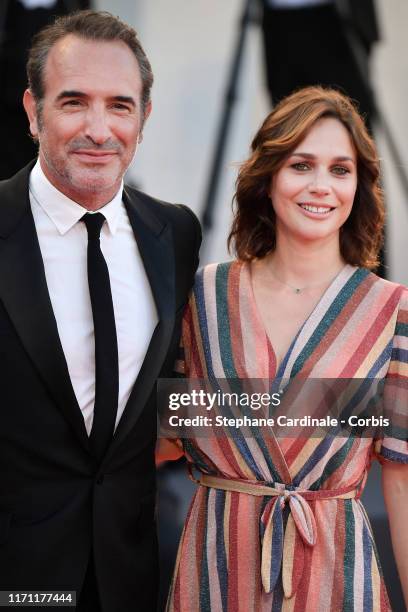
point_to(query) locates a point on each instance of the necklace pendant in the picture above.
(297, 290)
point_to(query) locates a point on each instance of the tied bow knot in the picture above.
(279, 543)
(283, 548)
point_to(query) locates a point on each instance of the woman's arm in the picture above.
(395, 488)
(168, 450)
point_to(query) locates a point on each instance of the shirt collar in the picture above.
(63, 211)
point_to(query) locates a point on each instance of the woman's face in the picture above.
(313, 192)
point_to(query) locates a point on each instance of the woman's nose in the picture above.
(319, 184)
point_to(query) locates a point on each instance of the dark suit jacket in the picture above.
(55, 501)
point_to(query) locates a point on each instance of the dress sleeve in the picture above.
(393, 446)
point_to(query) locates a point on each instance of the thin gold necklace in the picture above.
(301, 289)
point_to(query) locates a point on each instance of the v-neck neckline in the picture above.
(280, 368)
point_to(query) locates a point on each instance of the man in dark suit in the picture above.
(93, 280)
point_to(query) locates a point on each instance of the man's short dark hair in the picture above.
(89, 25)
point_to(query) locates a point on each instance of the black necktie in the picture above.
(106, 345)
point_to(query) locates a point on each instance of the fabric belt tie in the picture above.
(282, 548)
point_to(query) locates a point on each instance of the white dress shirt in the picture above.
(63, 242)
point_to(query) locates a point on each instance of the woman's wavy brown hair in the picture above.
(253, 232)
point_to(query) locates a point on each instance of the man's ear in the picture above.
(31, 110)
(147, 112)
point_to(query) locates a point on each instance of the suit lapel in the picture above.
(155, 243)
(24, 292)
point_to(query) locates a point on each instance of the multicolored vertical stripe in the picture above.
(359, 329)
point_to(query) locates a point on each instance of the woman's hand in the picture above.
(395, 488)
(168, 450)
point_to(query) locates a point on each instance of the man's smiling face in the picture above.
(90, 118)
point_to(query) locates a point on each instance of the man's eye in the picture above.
(340, 170)
(72, 103)
(121, 107)
(301, 166)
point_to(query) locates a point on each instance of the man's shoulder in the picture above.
(177, 213)
(179, 216)
(21, 177)
(159, 215)
(14, 201)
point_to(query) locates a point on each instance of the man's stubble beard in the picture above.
(80, 181)
(59, 168)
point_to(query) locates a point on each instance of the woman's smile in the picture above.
(313, 192)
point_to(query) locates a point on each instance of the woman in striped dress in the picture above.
(276, 523)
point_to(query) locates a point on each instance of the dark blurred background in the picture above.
(19, 21)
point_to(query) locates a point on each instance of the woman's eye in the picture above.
(340, 170)
(301, 166)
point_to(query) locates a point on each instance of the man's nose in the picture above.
(97, 125)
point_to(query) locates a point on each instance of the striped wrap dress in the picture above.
(241, 552)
